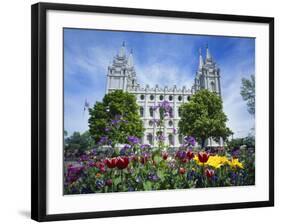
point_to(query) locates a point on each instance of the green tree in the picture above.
(80, 142)
(248, 93)
(116, 118)
(203, 117)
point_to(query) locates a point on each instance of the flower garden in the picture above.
(116, 167)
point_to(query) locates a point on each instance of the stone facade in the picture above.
(122, 75)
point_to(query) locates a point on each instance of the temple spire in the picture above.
(130, 59)
(122, 50)
(208, 54)
(200, 60)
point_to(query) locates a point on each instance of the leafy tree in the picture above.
(235, 143)
(115, 118)
(248, 93)
(80, 142)
(203, 117)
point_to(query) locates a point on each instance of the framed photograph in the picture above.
(139, 111)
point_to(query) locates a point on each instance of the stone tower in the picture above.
(208, 74)
(121, 73)
(208, 77)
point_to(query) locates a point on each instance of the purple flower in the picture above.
(181, 154)
(92, 164)
(153, 177)
(117, 119)
(160, 137)
(145, 146)
(133, 140)
(115, 122)
(189, 141)
(126, 147)
(156, 121)
(94, 152)
(124, 150)
(165, 107)
(103, 140)
(84, 158)
(235, 152)
(73, 173)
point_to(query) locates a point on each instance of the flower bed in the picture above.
(138, 167)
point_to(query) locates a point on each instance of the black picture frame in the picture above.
(39, 121)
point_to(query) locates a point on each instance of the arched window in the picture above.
(161, 97)
(213, 87)
(180, 98)
(150, 123)
(171, 113)
(142, 97)
(151, 97)
(170, 123)
(180, 139)
(151, 112)
(179, 111)
(171, 139)
(149, 138)
(141, 111)
(188, 98)
(170, 97)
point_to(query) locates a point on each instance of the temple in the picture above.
(121, 75)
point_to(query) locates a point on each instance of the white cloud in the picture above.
(164, 75)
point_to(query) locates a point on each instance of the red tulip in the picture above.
(203, 157)
(209, 173)
(100, 166)
(144, 159)
(189, 155)
(165, 155)
(184, 160)
(135, 158)
(109, 182)
(181, 170)
(111, 163)
(122, 162)
(102, 169)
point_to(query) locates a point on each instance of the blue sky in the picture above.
(164, 59)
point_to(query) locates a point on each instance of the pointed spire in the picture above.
(122, 50)
(208, 54)
(200, 59)
(130, 59)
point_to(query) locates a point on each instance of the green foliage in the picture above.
(237, 142)
(80, 142)
(248, 93)
(203, 117)
(157, 173)
(117, 103)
